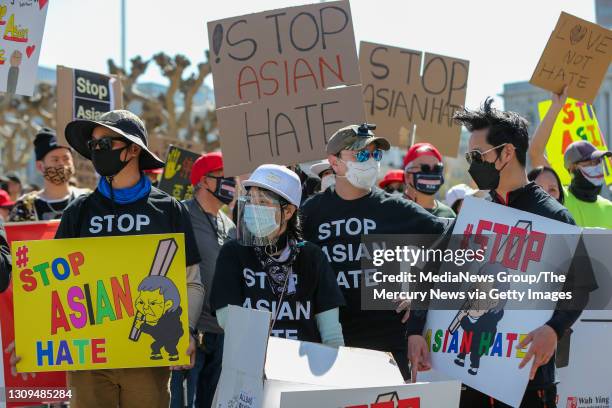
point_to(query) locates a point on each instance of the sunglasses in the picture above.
(392, 190)
(426, 168)
(104, 143)
(364, 155)
(478, 156)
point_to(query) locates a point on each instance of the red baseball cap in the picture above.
(392, 176)
(5, 200)
(421, 149)
(207, 163)
(153, 171)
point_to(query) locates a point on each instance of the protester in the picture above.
(424, 175)
(456, 194)
(154, 175)
(271, 267)
(54, 162)
(393, 182)
(336, 219)
(325, 173)
(212, 229)
(5, 261)
(12, 185)
(584, 162)
(549, 180)
(497, 156)
(6, 204)
(117, 146)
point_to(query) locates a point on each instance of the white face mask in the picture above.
(328, 181)
(362, 175)
(594, 174)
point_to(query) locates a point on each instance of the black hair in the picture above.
(504, 127)
(456, 204)
(535, 173)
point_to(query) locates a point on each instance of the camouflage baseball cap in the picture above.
(355, 137)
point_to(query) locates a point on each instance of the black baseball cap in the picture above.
(122, 122)
(46, 141)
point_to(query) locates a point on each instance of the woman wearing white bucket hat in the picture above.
(270, 267)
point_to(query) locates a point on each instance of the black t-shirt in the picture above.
(94, 215)
(240, 280)
(336, 225)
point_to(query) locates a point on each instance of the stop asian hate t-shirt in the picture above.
(240, 280)
(336, 225)
(94, 215)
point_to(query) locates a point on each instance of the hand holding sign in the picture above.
(543, 342)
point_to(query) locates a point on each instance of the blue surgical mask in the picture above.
(260, 220)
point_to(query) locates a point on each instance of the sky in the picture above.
(503, 40)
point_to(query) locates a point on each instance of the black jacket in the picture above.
(5, 261)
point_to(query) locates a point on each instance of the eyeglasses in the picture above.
(363, 155)
(426, 168)
(104, 143)
(478, 156)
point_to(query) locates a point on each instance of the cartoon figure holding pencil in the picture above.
(158, 306)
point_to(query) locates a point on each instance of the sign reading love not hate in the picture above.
(397, 96)
(577, 54)
(103, 312)
(21, 30)
(273, 72)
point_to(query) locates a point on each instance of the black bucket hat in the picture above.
(123, 122)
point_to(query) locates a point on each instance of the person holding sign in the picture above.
(125, 203)
(584, 162)
(270, 267)
(424, 174)
(55, 163)
(497, 157)
(336, 219)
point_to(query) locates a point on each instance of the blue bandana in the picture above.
(125, 195)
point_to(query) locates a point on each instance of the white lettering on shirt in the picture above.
(125, 223)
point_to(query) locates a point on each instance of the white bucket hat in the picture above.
(278, 179)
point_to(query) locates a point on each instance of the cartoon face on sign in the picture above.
(158, 306)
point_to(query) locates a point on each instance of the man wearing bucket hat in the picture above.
(336, 219)
(125, 203)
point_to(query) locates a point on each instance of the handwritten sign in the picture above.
(285, 81)
(577, 121)
(577, 54)
(22, 24)
(176, 177)
(102, 312)
(398, 96)
(477, 343)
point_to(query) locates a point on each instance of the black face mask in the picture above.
(583, 189)
(427, 183)
(226, 187)
(484, 174)
(108, 163)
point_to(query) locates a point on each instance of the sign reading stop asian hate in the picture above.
(78, 308)
(285, 81)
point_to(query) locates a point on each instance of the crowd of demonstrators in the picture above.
(55, 163)
(212, 230)
(584, 162)
(336, 219)
(497, 157)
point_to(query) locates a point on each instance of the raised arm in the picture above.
(537, 147)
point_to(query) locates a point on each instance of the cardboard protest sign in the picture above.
(285, 80)
(577, 121)
(120, 311)
(577, 54)
(397, 96)
(175, 179)
(19, 231)
(477, 343)
(22, 24)
(437, 394)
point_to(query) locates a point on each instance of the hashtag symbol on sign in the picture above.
(466, 236)
(22, 256)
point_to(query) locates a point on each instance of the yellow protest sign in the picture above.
(576, 121)
(95, 303)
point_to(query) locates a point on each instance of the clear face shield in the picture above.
(260, 217)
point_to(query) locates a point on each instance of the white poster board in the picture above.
(420, 395)
(22, 24)
(495, 329)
